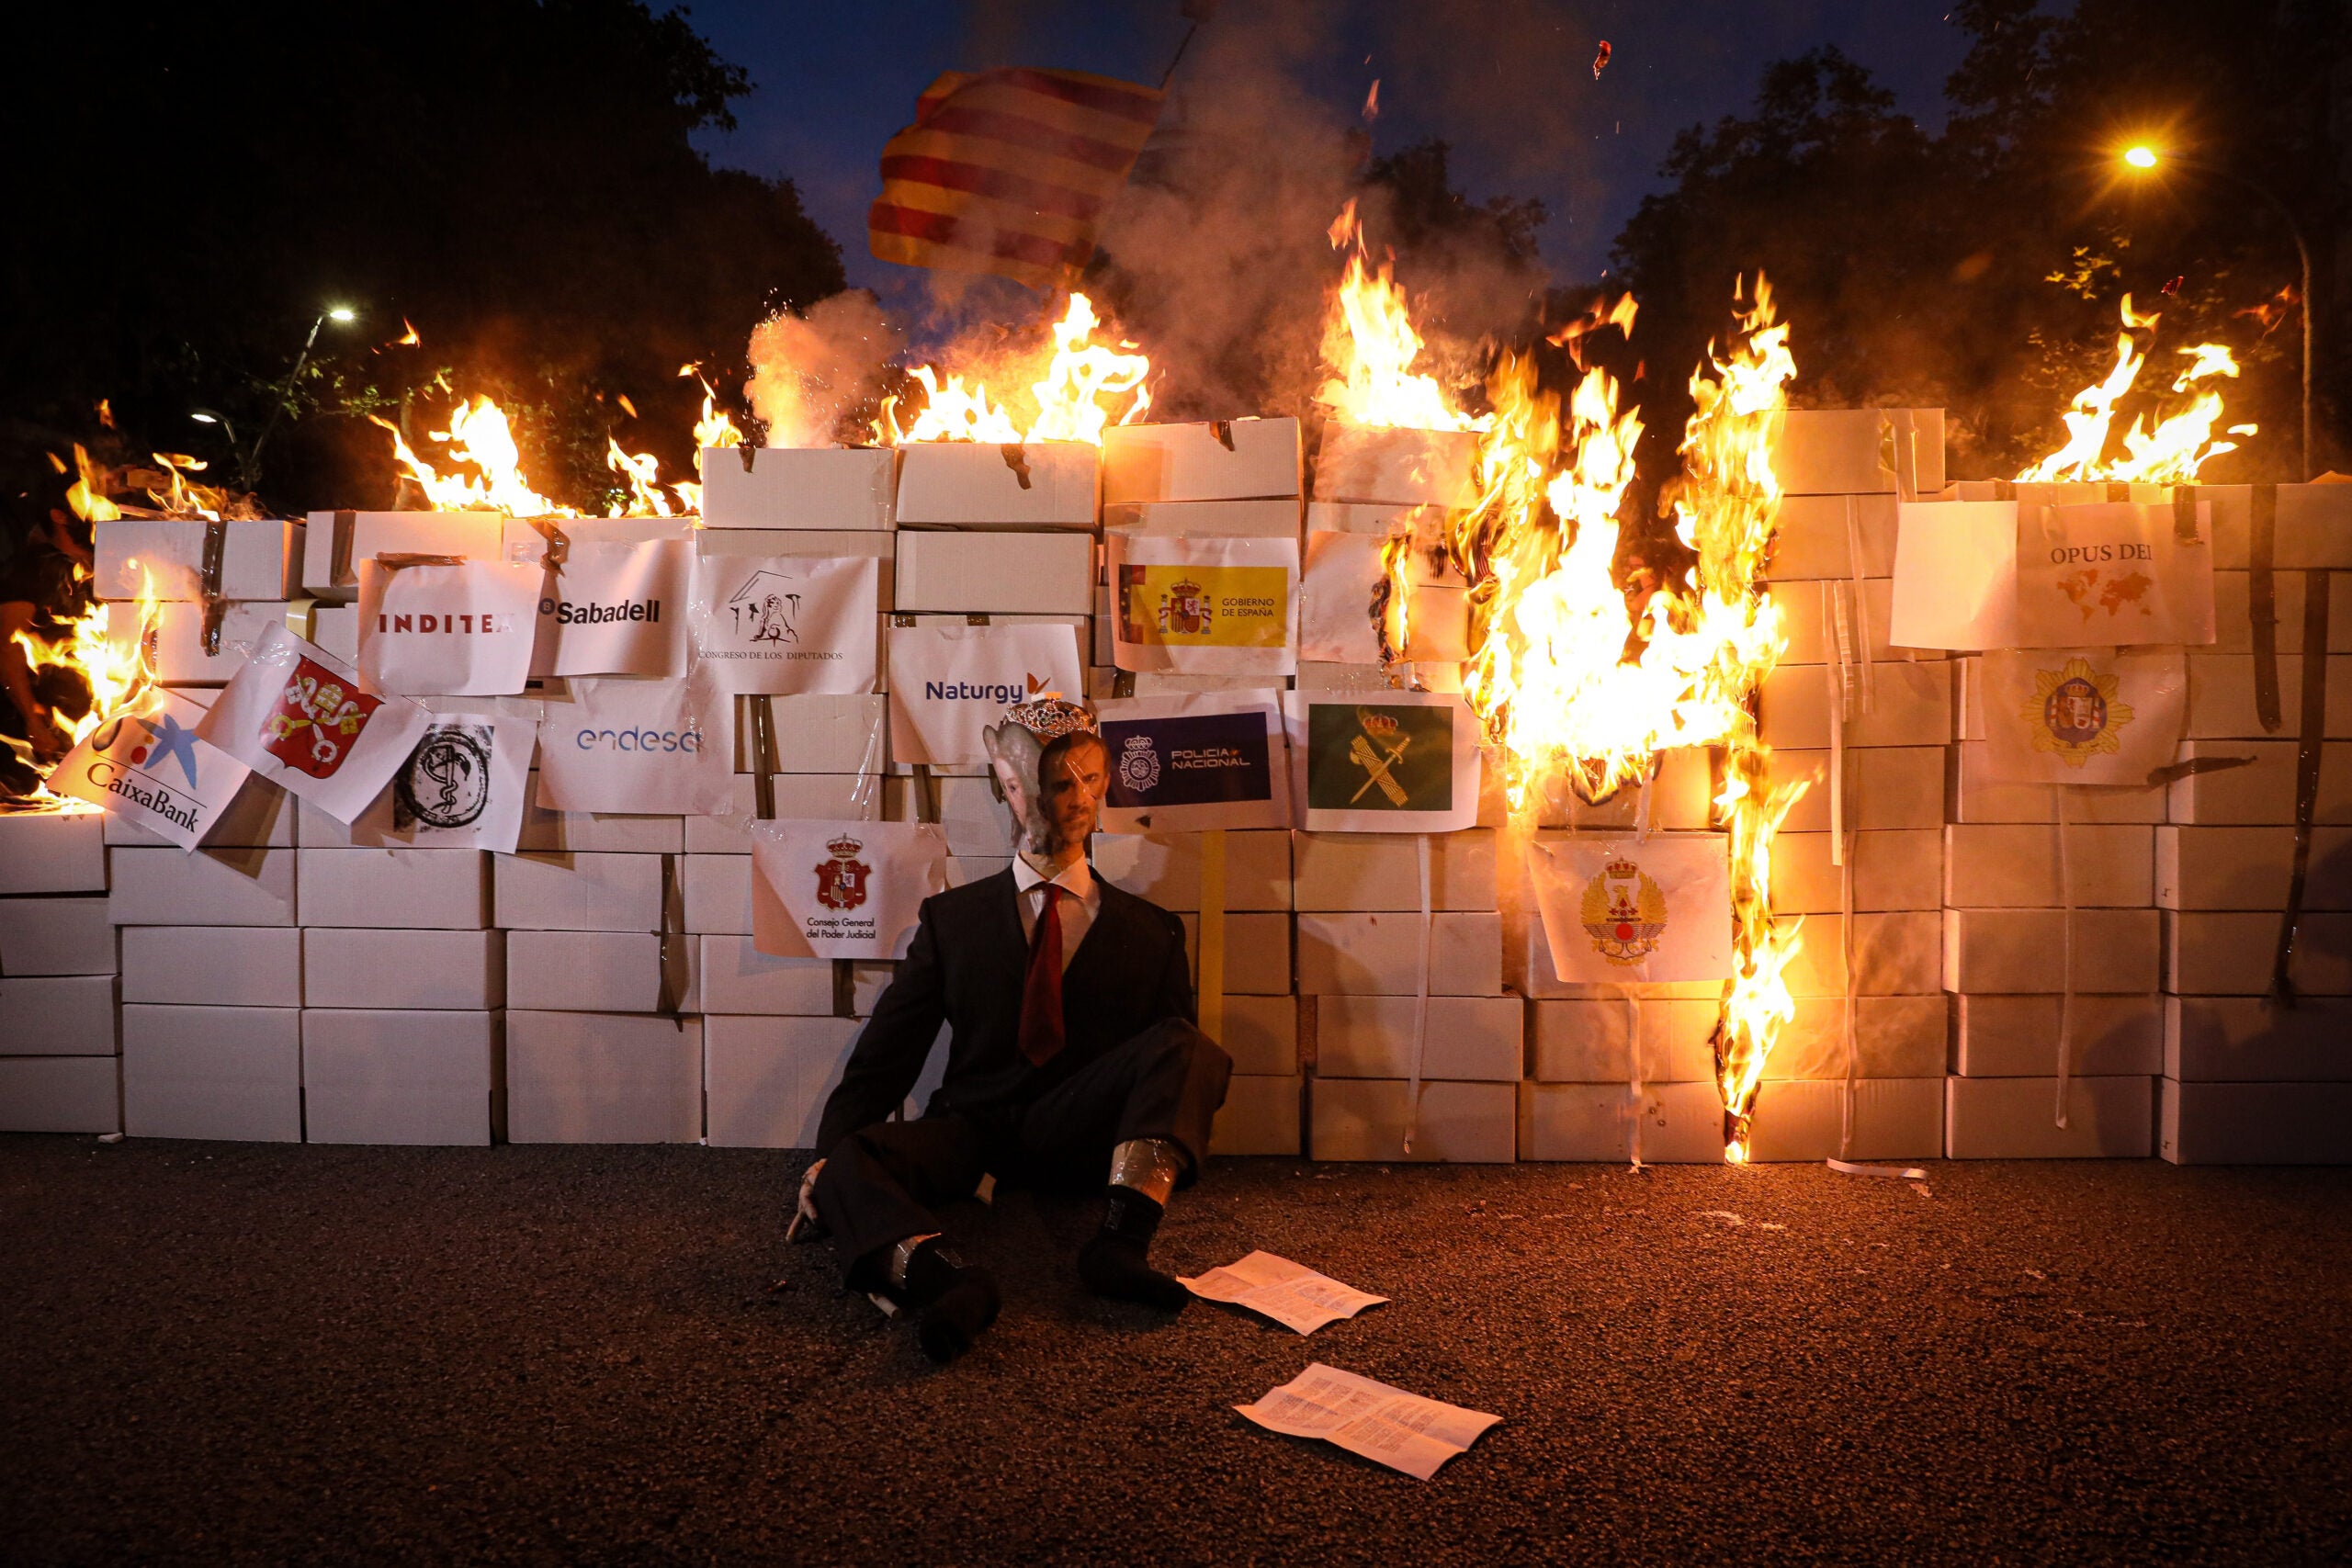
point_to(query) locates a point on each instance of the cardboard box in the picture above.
(599, 972)
(733, 976)
(1396, 468)
(2250, 868)
(829, 797)
(1260, 1033)
(977, 823)
(1260, 1116)
(58, 1015)
(1585, 1040)
(1375, 517)
(719, 894)
(1855, 451)
(1681, 798)
(2313, 526)
(2254, 1124)
(2233, 623)
(52, 852)
(213, 965)
(60, 1094)
(2222, 702)
(1897, 954)
(548, 831)
(2251, 1039)
(210, 887)
(194, 1071)
(1257, 953)
(56, 936)
(1895, 1038)
(1382, 871)
(1380, 954)
(1894, 1119)
(2016, 865)
(581, 892)
(2211, 953)
(412, 889)
(1165, 867)
(798, 486)
(1470, 1038)
(1816, 535)
(998, 572)
(1225, 459)
(378, 971)
(1680, 1123)
(2014, 951)
(179, 656)
(334, 543)
(1363, 1118)
(2016, 1119)
(335, 628)
(262, 816)
(1901, 869)
(768, 1079)
(1888, 788)
(1806, 616)
(1046, 484)
(1274, 519)
(1913, 708)
(409, 1077)
(578, 1077)
(2016, 1037)
(1976, 796)
(2262, 791)
(259, 559)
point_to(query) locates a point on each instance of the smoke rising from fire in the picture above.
(812, 371)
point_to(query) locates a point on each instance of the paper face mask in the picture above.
(1052, 771)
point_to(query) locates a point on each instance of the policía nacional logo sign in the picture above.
(1189, 759)
(2074, 713)
(1625, 913)
(842, 880)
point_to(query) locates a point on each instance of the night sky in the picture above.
(1509, 83)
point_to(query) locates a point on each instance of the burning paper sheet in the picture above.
(1290, 1293)
(1387, 1426)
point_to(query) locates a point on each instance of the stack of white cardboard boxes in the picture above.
(60, 1064)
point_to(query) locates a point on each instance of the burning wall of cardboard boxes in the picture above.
(1908, 820)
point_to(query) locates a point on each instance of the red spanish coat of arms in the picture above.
(841, 881)
(317, 719)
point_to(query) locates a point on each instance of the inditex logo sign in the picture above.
(487, 625)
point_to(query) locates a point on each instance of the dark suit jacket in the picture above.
(966, 968)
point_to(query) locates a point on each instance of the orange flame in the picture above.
(478, 435)
(716, 428)
(2172, 450)
(1370, 345)
(1069, 396)
(119, 671)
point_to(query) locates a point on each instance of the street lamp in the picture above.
(341, 315)
(2142, 157)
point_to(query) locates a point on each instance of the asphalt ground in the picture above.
(275, 1354)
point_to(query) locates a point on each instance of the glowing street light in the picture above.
(2142, 157)
(342, 313)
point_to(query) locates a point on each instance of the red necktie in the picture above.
(1041, 992)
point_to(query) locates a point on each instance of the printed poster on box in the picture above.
(147, 767)
(949, 680)
(1627, 911)
(788, 625)
(2114, 572)
(461, 788)
(644, 748)
(437, 628)
(1205, 606)
(303, 719)
(1955, 575)
(1194, 762)
(1384, 762)
(2083, 716)
(842, 889)
(615, 609)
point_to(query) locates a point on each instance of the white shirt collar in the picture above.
(1076, 878)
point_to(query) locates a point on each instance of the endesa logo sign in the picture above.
(688, 740)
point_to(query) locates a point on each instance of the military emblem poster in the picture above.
(1384, 762)
(303, 719)
(1627, 911)
(461, 788)
(1225, 606)
(147, 767)
(1200, 761)
(842, 889)
(789, 625)
(2083, 716)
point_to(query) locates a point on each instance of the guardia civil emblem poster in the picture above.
(1195, 761)
(1384, 762)
(1624, 910)
(1216, 606)
(842, 889)
(2083, 716)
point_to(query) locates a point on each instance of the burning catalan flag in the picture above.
(1009, 171)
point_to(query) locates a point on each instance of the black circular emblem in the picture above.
(446, 782)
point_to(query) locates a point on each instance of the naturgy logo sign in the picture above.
(968, 692)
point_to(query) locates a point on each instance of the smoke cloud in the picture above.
(810, 371)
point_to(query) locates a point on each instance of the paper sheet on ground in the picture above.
(1290, 1293)
(1387, 1426)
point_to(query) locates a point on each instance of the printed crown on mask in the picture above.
(1049, 717)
